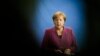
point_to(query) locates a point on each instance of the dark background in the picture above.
(19, 39)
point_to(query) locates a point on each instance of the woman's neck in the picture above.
(59, 31)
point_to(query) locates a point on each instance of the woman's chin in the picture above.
(58, 27)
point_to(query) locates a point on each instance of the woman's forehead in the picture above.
(59, 17)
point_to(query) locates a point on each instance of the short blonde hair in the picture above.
(59, 13)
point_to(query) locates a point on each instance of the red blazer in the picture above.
(52, 42)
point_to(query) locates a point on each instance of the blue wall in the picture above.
(74, 10)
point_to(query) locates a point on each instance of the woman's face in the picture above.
(59, 22)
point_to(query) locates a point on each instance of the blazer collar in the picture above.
(64, 30)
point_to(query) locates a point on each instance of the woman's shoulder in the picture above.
(49, 29)
(68, 28)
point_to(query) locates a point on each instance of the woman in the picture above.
(59, 40)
